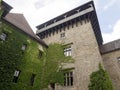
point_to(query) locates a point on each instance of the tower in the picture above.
(79, 31)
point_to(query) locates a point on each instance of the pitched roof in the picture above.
(111, 46)
(20, 22)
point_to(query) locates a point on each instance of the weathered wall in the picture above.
(84, 50)
(112, 66)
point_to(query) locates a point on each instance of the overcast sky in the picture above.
(39, 11)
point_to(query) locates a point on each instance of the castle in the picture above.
(79, 31)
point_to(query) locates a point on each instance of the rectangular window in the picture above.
(3, 36)
(16, 75)
(67, 51)
(32, 79)
(68, 79)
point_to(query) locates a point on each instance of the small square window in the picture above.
(62, 35)
(3, 36)
(24, 46)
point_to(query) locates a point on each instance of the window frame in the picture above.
(68, 51)
(24, 46)
(68, 78)
(16, 75)
(3, 36)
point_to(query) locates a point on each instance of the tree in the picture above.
(100, 80)
(51, 70)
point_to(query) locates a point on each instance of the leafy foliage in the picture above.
(10, 56)
(1, 10)
(52, 65)
(45, 67)
(100, 80)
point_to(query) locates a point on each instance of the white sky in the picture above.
(39, 11)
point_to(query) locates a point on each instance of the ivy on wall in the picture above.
(1, 10)
(100, 80)
(52, 67)
(10, 55)
(38, 68)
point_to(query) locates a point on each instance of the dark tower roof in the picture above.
(86, 11)
(5, 7)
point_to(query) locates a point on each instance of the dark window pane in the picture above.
(68, 79)
(32, 79)
(71, 79)
(52, 85)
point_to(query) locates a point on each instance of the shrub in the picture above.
(100, 80)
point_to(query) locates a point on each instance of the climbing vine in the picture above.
(10, 56)
(1, 10)
(46, 68)
(53, 59)
(45, 64)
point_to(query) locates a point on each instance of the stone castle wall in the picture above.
(112, 66)
(84, 50)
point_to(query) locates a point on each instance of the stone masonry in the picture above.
(84, 50)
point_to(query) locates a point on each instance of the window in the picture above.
(24, 47)
(40, 53)
(62, 35)
(3, 36)
(32, 79)
(118, 59)
(118, 62)
(52, 86)
(16, 75)
(68, 79)
(67, 51)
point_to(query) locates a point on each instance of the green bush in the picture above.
(100, 80)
